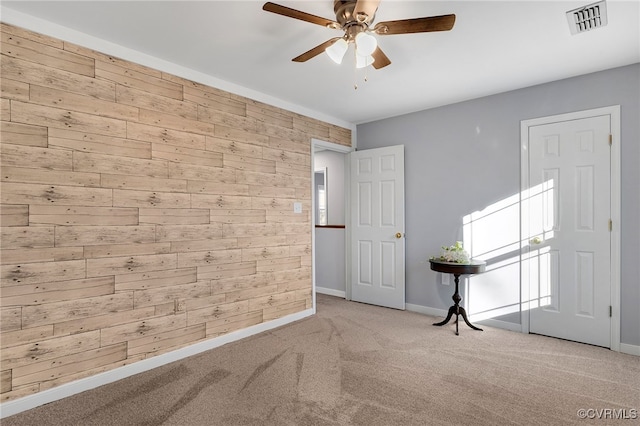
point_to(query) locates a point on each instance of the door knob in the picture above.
(535, 240)
(398, 235)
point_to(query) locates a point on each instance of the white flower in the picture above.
(454, 254)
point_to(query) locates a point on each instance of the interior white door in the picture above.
(568, 214)
(377, 227)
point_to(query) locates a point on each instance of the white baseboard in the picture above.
(331, 292)
(426, 310)
(31, 401)
(434, 312)
(630, 349)
(501, 324)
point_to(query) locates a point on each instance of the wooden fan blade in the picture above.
(303, 16)
(365, 8)
(315, 51)
(417, 25)
(381, 59)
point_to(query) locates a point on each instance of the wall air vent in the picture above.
(587, 17)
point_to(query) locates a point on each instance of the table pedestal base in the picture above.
(457, 310)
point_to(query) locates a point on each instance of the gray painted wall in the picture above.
(464, 157)
(330, 259)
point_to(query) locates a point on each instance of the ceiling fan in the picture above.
(355, 18)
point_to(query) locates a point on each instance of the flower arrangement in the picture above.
(454, 254)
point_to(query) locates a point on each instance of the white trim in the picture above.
(426, 310)
(435, 312)
(32, 401)
(614, 113)
(511, 326)
(626, 348)
(331, 292)
(41, 26)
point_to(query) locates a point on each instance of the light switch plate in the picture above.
(297, 207)
(444, 278)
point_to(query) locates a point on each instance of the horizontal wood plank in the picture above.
(37, 255)
(210, 257)
(54, 312)
(101, 320)
(226, 270)
(101, 235)
(147, 133)
(29, 50)
(56, 98)
(47, 370)
(50, 177)
(26, 237)
(12, 89)
(182, 155)
(131, 264)
(177, 216)
(61, 118)
(34, 194)
(158, 296)
(125, 249)
(32, 73)
(99, 144)
(111, 164)
(48, 349)
(135, 330)
(28, 335)
(82, 216)
(14, 215)
(23, 134)
(226, 325)
(154, 279)
(147, 199)
(10, 320)
(145, 99)
(167, 340)
(35, 157)
(34, 294)
(143, 78)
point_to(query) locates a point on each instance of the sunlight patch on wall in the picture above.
(494, 235)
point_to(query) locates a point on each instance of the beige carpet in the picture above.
(355, 364)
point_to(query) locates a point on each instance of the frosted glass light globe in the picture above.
(365, 44)
(337, 50)
(363, 61)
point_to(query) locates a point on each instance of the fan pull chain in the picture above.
(355, 70)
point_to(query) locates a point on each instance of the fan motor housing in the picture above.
(344, 12)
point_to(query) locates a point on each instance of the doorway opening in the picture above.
(330, 195)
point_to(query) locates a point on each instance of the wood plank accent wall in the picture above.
(141, 212)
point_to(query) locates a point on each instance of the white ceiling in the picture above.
(494, 47)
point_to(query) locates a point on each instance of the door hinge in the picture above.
(610, 140)
(610, 225)
(610, 310)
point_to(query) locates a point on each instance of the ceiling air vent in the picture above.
(587, 17)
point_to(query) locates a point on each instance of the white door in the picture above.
(568, 212)
(377, 226)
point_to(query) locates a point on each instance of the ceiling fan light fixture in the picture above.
(366, 44)
(364, 61)
(337, 50)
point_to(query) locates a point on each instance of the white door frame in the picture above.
(614, 113)
(330, 146)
